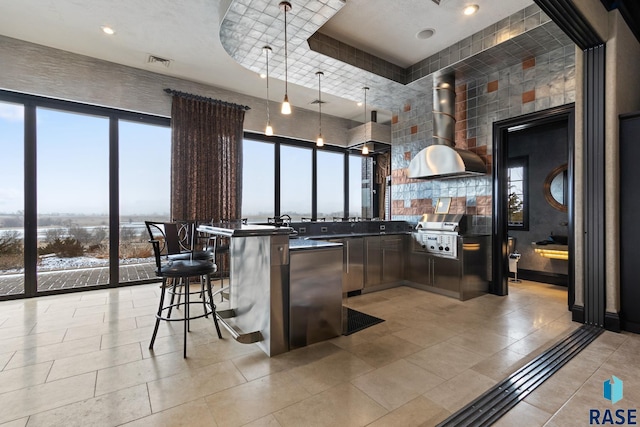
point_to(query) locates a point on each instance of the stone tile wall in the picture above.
(538, 83)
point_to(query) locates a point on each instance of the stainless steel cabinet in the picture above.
(463, 278)
(392, 259)
(384, 262)
(446, 273)
(353, 270)
(352, 263)
(373, 261)
(419, 268)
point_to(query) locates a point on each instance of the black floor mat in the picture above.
(357, 321)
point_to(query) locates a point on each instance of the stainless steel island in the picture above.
(273, 303)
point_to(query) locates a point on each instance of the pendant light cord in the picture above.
(267, 49)
(319, 103)
(286, 62)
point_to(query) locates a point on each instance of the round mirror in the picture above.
(555, 188)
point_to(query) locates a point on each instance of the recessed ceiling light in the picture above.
(359, 104)
(471, 9)
(425, 34)
(263, 76)
(108, 30)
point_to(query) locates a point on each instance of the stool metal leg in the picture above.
(213, 306)
(159, 314)
(186, 315)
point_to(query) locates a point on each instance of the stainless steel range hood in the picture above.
(442, 159)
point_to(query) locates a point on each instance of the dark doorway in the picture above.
(511, 137)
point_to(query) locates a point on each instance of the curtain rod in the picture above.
(204, 98)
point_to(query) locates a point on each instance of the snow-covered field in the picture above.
(54, 263)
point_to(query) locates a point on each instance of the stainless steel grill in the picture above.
(439, 234)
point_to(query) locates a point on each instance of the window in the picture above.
(518, 202)
(12, 198)
(59, 193)
(144, 153)
(330, 185)
(295, 182)
(355, 185)
(258, 180)
(73, 196)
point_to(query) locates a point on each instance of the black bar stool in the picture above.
(180, 271)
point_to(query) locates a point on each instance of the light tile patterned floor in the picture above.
(82, 359)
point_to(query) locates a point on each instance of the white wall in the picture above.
(35, 69)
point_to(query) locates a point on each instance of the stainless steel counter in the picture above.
(277, 300)
(304, 244)
(243, 230)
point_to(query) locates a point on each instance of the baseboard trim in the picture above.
(612, 321)
(543, 277)
(577, 313)
(630, 326)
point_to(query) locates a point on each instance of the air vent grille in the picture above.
(153, 59)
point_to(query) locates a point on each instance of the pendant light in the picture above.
(286, 107)
(320, 140)
(365, 148)
(268, 130)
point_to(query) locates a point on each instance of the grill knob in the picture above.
(440, 247)
(424, 246)
(433, 247)
(446, 248)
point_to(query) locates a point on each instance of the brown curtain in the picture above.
(206, 159)
(382, 171)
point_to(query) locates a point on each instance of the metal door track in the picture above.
(486, 409)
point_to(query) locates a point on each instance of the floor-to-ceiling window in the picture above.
(355, 186)
(288, 177)
(258, 180)
(12, 199)
(144, 163)
(73, 199)
(71, 174)
(295, 182)
(330, 194)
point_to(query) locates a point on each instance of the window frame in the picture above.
(31, 103)
(513, 162)
(279, 141)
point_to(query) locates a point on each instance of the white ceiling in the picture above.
(388, 29)
(188, 34)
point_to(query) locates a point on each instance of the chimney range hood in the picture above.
(442, 159)
(375, 135)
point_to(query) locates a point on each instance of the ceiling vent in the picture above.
(153, 59)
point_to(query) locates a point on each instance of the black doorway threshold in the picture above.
(357, 321)
(496, 402)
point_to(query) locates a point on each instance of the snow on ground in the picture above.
(54, 263)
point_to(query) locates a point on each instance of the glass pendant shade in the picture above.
(268, 130)
(320, 141)
(286, 107)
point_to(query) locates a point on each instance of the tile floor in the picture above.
(82, 359)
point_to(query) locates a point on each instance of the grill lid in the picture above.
(443, 222)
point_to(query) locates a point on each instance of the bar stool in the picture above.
(177, 243)
(180, 271)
